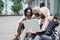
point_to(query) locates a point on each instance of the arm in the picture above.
(16, 34)
(44, 26)
(46, 22)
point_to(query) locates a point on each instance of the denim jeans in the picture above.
(37, 37)
(46, 37)
(28, 38)
(43, 37)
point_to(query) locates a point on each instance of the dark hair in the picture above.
(42, 4)
(25, 11)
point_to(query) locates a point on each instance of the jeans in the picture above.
(43, 37)
(37, 37)
(46, 37)
(28, 38)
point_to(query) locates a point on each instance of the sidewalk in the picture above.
(8, 27)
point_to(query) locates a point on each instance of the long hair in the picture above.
(45, 10)
(25, 11)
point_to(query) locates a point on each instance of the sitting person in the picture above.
(51, 25)
(35, 16)
(36, 11)
(20, 27)
(47, 26)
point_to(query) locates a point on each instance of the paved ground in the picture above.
(8, 27)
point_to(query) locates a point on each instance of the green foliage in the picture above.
(1, 6)
(17, 6)
(17, 0)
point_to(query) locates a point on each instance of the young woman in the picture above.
(47, 26)
(20, 26)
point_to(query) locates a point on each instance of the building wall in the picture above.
(34, 3)
(58, 8)
(9, 4)
(51, 4)
(52, 7)
(55, 7)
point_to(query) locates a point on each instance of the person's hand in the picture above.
(42, 30)
(31, 31)
(16, 34)
(50, 18)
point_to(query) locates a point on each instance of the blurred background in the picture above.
(10, 7)
(12, 10)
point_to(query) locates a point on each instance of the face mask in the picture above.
(42, 16)
(37, 14)
(28, 15)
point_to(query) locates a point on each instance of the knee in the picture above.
(37, 37)
(30, 38)
(46, 37)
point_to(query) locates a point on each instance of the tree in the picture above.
(17, 6)
(1, 6)
(17, 0)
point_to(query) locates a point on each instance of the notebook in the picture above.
(32, 24)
